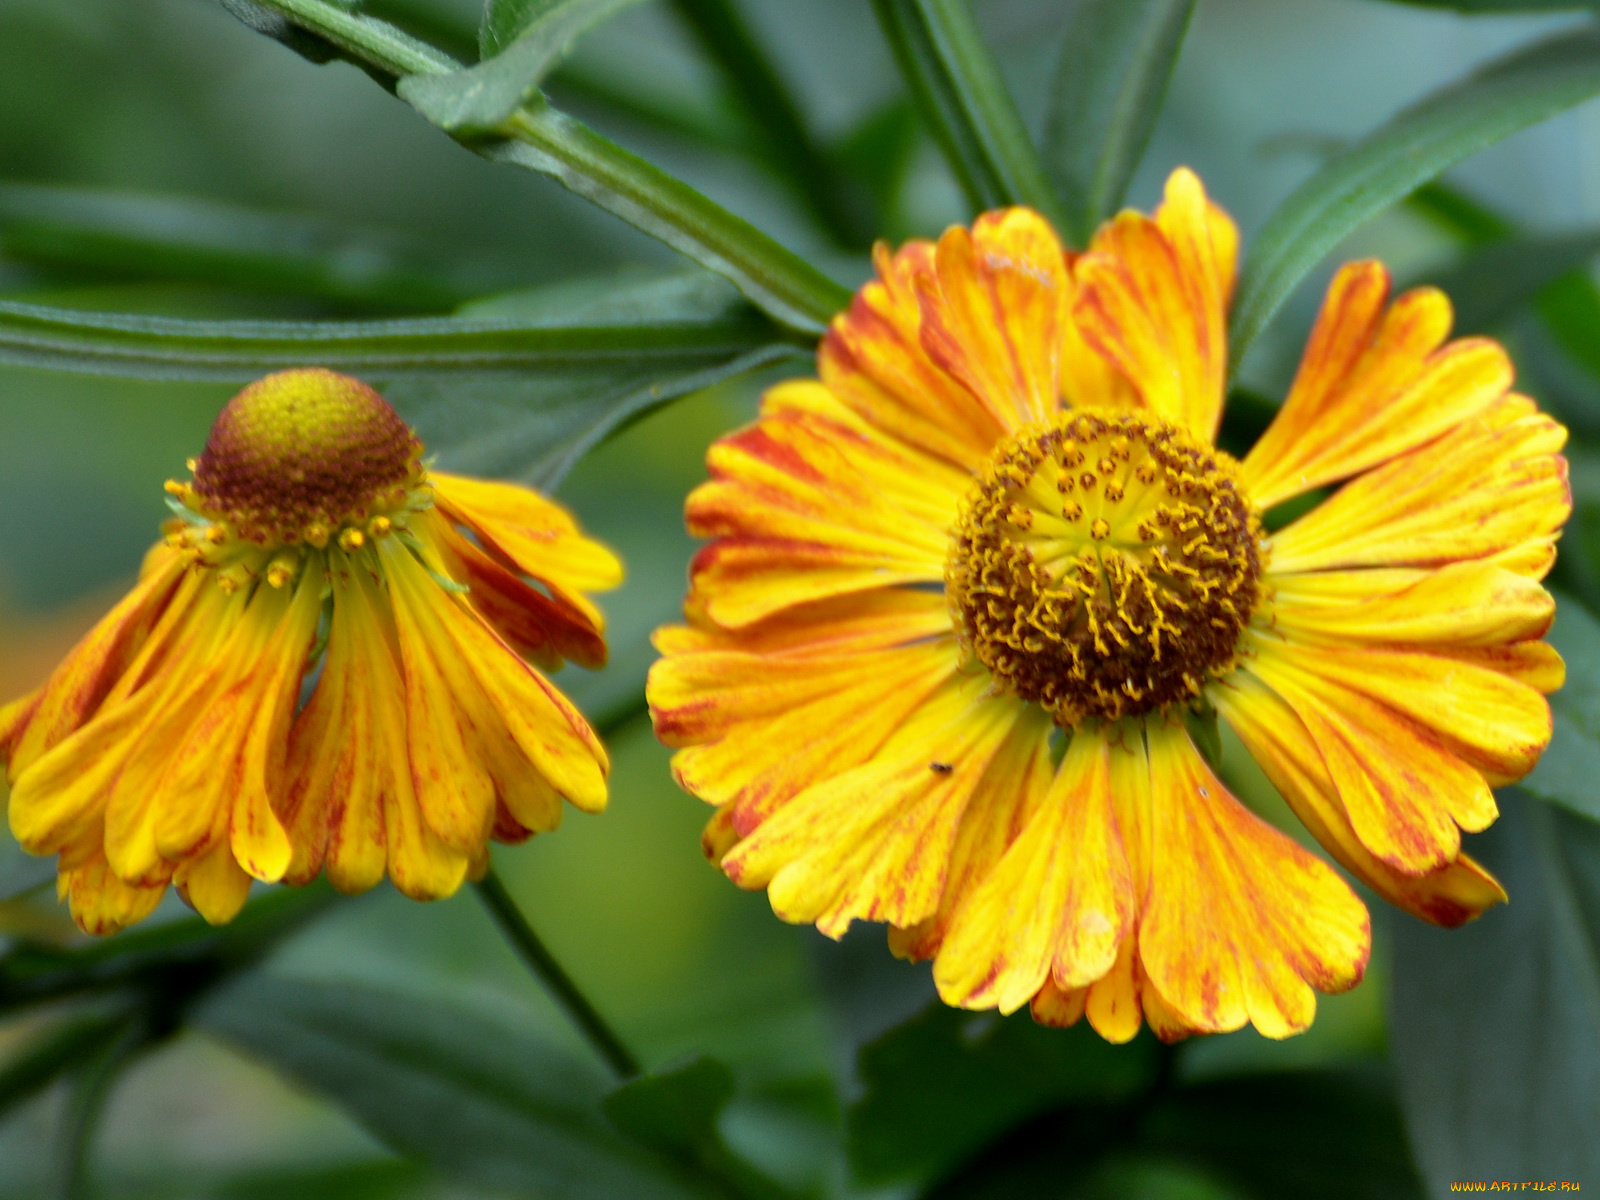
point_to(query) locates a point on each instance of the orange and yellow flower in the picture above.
(970, 592)
(324, 665)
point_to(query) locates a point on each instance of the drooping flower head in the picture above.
(325, 664)
(972, 594)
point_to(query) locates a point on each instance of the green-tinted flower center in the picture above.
(1104, 565)
(296, 462)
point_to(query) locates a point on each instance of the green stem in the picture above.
(786, 143)
(536, 955)
(958, 85)
(539, 137)
(84, 1107)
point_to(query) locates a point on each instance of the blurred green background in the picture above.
(182, 115)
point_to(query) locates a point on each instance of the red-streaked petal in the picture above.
(1494, 485)
(1375, 382)
(1240, 923)
(1152, 300)
(1057, 905)
(872, 359)
(993, 310)
(1451, 895)
(803, 509)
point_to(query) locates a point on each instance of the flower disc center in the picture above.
(300, 453)
(1104, 565)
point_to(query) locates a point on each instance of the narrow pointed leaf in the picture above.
(1511, 93)
(479, 98)
(1116, 59)
(476, 1098)
(958, 86)
(540, 138)
(181, 237)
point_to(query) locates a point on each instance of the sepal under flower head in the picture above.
(324, 665)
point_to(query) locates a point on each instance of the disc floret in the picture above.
(1104, 565)
(301, 461)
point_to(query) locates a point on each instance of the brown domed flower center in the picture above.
(301, 454)
(1104, 565)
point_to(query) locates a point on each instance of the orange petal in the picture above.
(1463, 604)
(872, 359)
(874, 843)
(1277, 739)
(101, 903)
(1056, 906)
(804, 508)
(1495, 484)
(1240, 923)
(531, 535)
(993, 310)
(999, 809)
(1494, 722)
(80, 684)
(1153, 297)
(761, 730)
(1373, 384)
(1406, 793)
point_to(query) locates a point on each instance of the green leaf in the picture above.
(542, 139)
(1491, 285)
(523, 383)
(1116, 58)
(674, 1112)
(958, 87)
(1511, 93)
(479, 99)
(1496, 1026)
(201, 240)
(1569, 771)
(476, 1098)
(947, 1083)
(1319, 1134)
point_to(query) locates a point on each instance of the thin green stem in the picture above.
(85, 1105)
(786, 141)
(543, 139)
(536, 955)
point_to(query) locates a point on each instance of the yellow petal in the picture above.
(1493, 486)
(1152, 300)
(1240, 923)
(993, 309)
(873, 360)
(1374, 383)
(1057, 905)
(1450, 895)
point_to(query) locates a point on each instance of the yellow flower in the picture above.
(969, 592)
(321, 666)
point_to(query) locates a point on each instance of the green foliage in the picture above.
(1496, 1027)
(1569, 771)
(1529, 85)
(1116, 59)
(957, 86)
(465, 1093)
(946, 1084)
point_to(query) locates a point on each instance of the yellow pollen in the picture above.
(380, 527)
(1131, 613)
(352, 540)
(282, 570)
